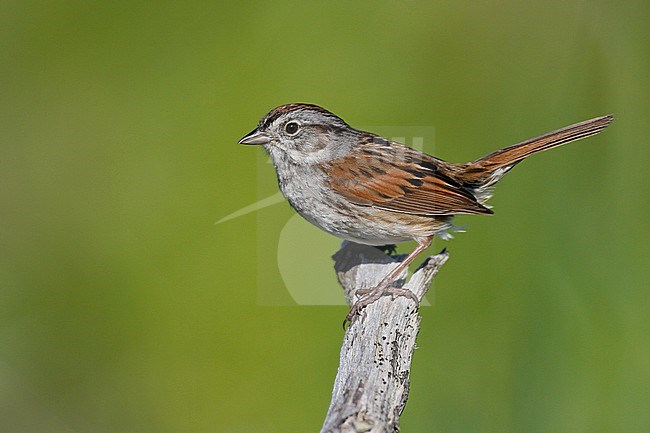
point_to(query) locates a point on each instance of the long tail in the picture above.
(507, 157)
(483, 173)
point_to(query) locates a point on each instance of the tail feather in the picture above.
(482, 174)
(517, 152)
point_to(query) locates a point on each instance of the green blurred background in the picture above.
(123, 307)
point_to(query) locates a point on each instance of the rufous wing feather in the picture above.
(399, 179)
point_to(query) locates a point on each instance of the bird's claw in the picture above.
(368, 296)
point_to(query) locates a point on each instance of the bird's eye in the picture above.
(291, 128)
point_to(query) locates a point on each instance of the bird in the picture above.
(364, 188)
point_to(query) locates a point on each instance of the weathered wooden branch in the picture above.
(372, 383)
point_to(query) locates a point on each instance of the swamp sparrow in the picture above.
(364, 188)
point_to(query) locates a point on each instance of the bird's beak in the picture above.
(255, 137)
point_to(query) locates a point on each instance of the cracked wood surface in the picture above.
(372, 383)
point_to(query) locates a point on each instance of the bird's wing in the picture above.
(390, 176)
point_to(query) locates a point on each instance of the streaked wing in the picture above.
(390, 176)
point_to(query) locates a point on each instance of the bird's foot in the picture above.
(368, 296)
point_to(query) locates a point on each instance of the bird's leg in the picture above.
(385, 286)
